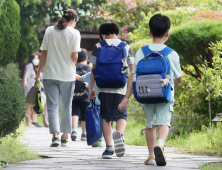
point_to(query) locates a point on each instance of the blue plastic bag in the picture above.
(92, 123)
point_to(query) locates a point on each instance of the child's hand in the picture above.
(123, 104)
(92, 94)
(78, 77)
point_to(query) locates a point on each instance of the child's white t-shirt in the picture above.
(174, 63)
(59, 46)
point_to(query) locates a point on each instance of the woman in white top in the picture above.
(60, 46)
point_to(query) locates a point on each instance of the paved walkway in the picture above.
(81, 156)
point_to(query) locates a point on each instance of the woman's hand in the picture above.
(25, 84)
(123, 104)
(37, 77)
(92, 94)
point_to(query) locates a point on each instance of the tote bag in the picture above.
(92, 123)
(31, 98)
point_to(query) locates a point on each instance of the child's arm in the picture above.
(177, 81)
(123, 104)
(78, 77)
(92, 94)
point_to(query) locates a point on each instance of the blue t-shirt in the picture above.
(86, 78)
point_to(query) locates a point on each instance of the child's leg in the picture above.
(121, 125)
(163, 131)
(75, 120)
(107, 132)
(151, 138)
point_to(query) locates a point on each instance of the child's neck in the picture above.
(159, 40)
(82, 62)
(111, 36)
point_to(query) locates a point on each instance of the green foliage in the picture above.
(206, 141)
(9, 31)
(37, 15)
(177, 18)
(133, 132)
(137, 45)
(191, 41)
(1, 4)
(12, 151)
(212, 166)
(12, 101)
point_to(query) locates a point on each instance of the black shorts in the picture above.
(79, 109)
(109, 103)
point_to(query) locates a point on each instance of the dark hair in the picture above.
(159, 25)
(31, 57)
(67, 16)
(108, 28)
(82, 55)
(38, 54)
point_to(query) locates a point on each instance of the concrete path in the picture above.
(81, 156)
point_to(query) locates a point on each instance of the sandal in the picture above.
(159, 156)
(146, 162)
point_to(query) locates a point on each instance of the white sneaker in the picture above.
(118, 144)
(64, 142)
(55, 142)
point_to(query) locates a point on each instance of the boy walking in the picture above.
(79, 106)
(157, 115)
(110, 98)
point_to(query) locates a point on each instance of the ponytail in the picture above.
(68, 15)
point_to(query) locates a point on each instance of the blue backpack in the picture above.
(109, 65)
(152, 84)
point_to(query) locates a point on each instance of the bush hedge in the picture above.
(12, 101)
(9, 31)
(191, 41)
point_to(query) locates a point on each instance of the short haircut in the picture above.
(82, 55)
(108, 28)
(159, 25)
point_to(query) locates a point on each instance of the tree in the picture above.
(191, 41)
(9, 31)
(37, 14)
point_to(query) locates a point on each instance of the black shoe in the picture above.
(55, 142)
(36, 124)
(73, 135)
(107, 154)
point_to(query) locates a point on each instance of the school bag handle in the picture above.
(158, 54)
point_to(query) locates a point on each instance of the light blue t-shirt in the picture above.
(174, 63)
(86, 78)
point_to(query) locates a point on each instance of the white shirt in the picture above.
(60, 45)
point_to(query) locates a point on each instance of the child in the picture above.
(79, 106)
(157, 115)
(110, 98)
(86, 78)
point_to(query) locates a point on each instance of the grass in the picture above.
(13, 151)
(212, 166)
(205, 142)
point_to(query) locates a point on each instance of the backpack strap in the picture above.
(103, 43)
(166, 51)
(146, 50)
(122, 44)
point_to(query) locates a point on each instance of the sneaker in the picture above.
(159, 156)
(36, 124)
(97, 144)
(118, 144)
(55, 142)
(83, 137)
(64, 142)
(107, 154)
(73, 135)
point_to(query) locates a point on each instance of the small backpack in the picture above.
(153, 78)
(111, 66)
(81, 91)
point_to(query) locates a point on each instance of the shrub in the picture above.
(191, 41)
(177, 17)
(9, 32)
(137, 45)
(12, 102)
